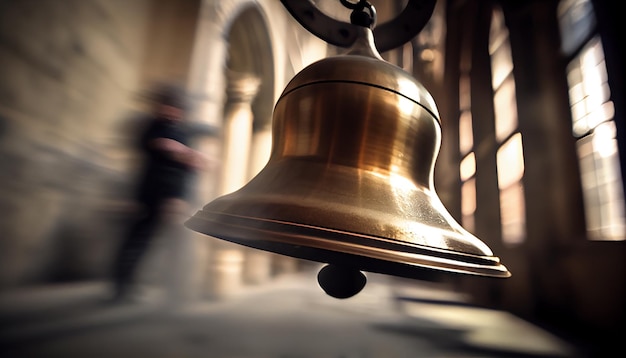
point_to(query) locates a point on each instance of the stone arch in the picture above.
(249, 73)
(224, 26)
(241, 27)
(249, 52)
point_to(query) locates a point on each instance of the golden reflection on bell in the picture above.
(350, 178)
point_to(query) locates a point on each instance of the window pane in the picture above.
(509, 157)
(510, 161)
(498, 33)
(589, 91)
(468, 203)
(466, 135)
(469, 197)
(505, 109)
(602, 184)
(577, 21)
(464, 93)
(513, 214)
(592, 122)
(468, 167)
(501, 65)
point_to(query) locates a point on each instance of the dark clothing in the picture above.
(133, 248)
(162, 178)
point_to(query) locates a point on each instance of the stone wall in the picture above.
(72, 73)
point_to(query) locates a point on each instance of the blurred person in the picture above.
(163, 184)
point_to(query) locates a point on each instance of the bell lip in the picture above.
(381, 255)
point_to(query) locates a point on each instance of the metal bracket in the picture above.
(387, 36)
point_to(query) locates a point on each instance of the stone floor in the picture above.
(290, 317)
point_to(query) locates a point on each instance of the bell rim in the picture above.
(381, 255)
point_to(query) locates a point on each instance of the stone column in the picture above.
(205, 84)
(227, 262)
(186, 276)
(258, 263)
(241, 90)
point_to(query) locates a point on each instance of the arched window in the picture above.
(509, 154)
(508, 139)
(592, 121)
(468, 161)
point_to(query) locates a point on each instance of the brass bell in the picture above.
(350, 179)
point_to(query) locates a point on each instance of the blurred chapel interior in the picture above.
(530, 94)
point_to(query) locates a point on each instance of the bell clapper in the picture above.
(341, 282)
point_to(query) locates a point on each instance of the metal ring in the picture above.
(349, 4)
(387, 36)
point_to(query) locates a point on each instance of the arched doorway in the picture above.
(249, 87)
